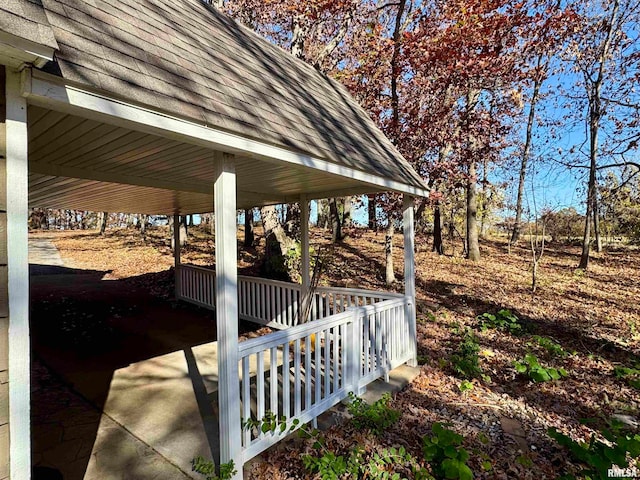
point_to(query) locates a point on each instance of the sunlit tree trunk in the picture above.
(390, 276)
(371, 212)
(334, 217)
(524, 160)
(248, 228)
(347, 221)
(594, 93)
(473, 247)
(596, 220)
(104, 218)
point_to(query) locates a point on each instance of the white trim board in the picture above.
(51, 92)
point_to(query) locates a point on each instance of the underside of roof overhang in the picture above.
(89, 152)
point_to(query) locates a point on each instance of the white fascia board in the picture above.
(26, 50)
(52, 92)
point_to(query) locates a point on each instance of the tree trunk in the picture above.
(142, 221)
(371, 212)
(323, 213)
(104, 218)
(347, 221)
(390, 276)
(473, 248)
(248, 228)
(298, 37)
(278, 243)
(594, 93)
(485, 201)
(586, 239)
(596, 220)
(437, 230)
(515, 234)
(336, 229)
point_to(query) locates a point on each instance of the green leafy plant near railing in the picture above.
(465, 361)
(631, 375)
(531, 367)
(377, 417)
(447, 458)
(596, 456)
(271, 423)
(387, 464)
(552, 348)
(207, 469)
(504, 320)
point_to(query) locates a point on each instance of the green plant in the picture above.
(376, 417)
(271, 423)
(629, 374)
(208, 469)
(465, 361)
(531, 367)
(598, 457)
(445, 454)
(465, 386)
(388, 464)
(329, 465)
(503, 320)
(553, 348)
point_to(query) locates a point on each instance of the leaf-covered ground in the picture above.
(593, 315)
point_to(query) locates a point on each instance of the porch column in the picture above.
(410, 275)
(224, 194)
(17, 285)
(176, 254)
(305, 264)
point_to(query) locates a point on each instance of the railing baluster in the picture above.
(336, 362)
(260, 405)
(286, 378)
(329, 337)
(318, 368)
(307, 372)
(246, 398)
(273, 380)
(365, 344)
(297, 374)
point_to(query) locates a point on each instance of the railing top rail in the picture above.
(360, 291)
(268, 281)
(297, 332)
(197, 267)
(344, 290)
(381, 306)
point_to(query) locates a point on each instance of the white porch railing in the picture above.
(196, 285)
(352, 338)
(270, 302)
(299, 373)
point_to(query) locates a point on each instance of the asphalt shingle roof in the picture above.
(27, 19)
(186, 58)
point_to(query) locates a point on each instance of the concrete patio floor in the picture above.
(142, 405)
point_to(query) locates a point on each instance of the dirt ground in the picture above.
(593, 315)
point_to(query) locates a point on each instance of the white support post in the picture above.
(410, 275)
(18, 280)
(305, 263)
(176, 255)
(224, 194)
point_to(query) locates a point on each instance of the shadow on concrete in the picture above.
(110, 346)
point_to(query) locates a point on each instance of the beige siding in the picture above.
(4, 321)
